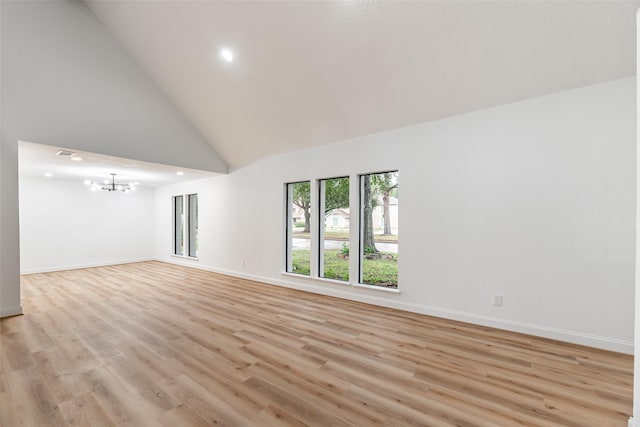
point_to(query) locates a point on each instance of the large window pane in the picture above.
(178, 225)
(298, 227)
(379, 229)
(193, 225)
(334, 228)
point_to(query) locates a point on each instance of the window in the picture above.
(298, 228)
(379, 229)
(374, 256)
(185, 225)
(334, 228)
(193, 225)
(178, 225)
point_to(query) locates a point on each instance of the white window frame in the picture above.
(288, 255)
(320, 227)
(316, 243)
(186, 224)
(361, 247)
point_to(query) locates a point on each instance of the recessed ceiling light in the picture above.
(180, 173)
(227, 55)
(76, 159)
(48, 174)
(87, 182)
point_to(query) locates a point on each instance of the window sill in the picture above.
(333, 281)
(302, 276)
(340, 282)
(193, 258)
(376, 288)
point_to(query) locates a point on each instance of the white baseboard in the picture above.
(10, 311)
(372, 296)
(80, 266)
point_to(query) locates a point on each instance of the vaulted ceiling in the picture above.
(309, 73)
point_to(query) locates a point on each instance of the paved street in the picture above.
(337, 244)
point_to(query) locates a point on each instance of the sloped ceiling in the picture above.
(309, 73)
(66, 82)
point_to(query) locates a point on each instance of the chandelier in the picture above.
(111, 185)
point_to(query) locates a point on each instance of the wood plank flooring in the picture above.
(152, 344)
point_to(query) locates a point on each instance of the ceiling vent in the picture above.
(65, 153)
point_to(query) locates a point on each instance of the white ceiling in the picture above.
(309, 73)
(39, 159)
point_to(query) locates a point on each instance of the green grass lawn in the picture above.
(380, 272)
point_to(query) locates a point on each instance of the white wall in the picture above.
(634, 421)
(533, 200)
(64, 225)
(9, 236)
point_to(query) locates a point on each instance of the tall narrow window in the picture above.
(193, 225)
(178, 225)
(334, 228)
(298, 227)
(185, 225)
(379, 229)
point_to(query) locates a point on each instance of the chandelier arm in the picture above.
(112, 186)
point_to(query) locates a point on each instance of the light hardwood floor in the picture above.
(151, 344)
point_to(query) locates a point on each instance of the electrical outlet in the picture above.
(242, 262)
(497, 300)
